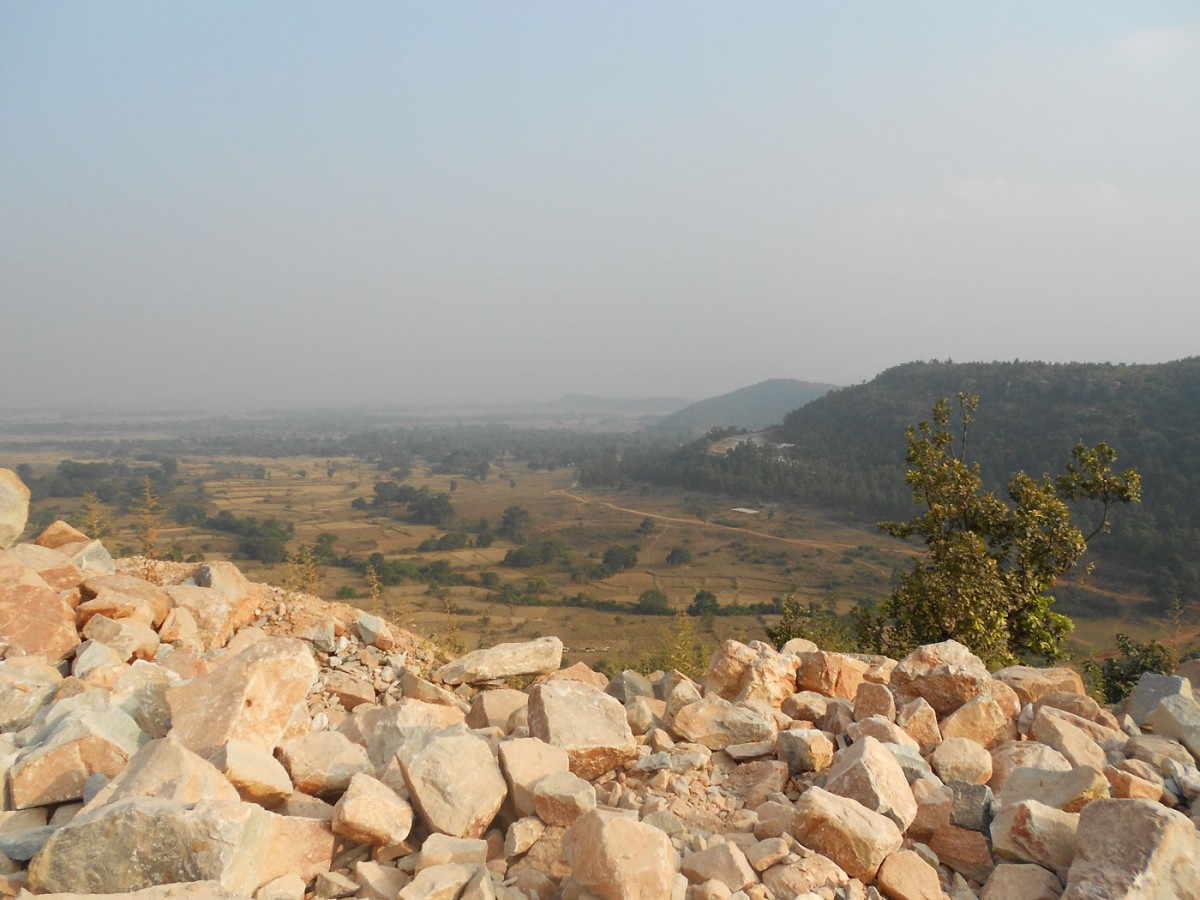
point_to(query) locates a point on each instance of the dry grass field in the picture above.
(742, 557)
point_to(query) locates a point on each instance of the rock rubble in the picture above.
(175, 731)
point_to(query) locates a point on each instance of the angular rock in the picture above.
(55, 567)
(212, 612)
(525, 761)
(378, 882)
(629, 684)
(585, 722)
(350, 691)
(1133, 848)
(123, 597)
(618, 858)
(560, 798)
(874, 700)
(1031, 684)
(972, 807)
(1031, 832)
(983, 721)
(961, 759)
(321, 763)
(868, 773)
(444, 850)
(946, 675)
(536, 657)
(935, 804)
(1151, 689)
(1066, 734)
(493, 709)
(439, 883)
(251, 697)
(845, 831)
(14, 507)
(382, 729)
(55, 769)
(964, 851)
(919, 722)
(906, 876)
(804, 750)
(1031, 754)
(830, 674)
(130, 638)
(453, 779)
(806, 877)
(1178, 717)
(370, 812)
(882, 730)
(256, 775)
(58, 533)
(33, 617)
(722, 862)
(717, 723)
(1069, 791)
(169, 771)
(1021, 881)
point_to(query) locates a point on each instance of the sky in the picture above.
(248, 204)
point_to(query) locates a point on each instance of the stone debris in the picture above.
(174, 731)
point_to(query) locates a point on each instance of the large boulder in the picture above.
(537, 657)
(123, 597)
(869, 773)
(946, 675)
(453, 779)
(587, 723)
(251, 697)
(854, 837)
(33, 617)
(616, 857)
(717, 723)
(14, 507)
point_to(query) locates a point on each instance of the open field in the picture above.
(742, 557)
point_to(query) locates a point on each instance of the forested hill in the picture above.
(753, 407)
(848, 448)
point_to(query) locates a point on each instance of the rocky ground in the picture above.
(172, 730)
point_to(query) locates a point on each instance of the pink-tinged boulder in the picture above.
(169, 771)
(740, 672)
(812, 876)
(1069, 791)
(251, 697)
(946, 675)
(453, 780)
(92, 557)
(560, 798)
(1071, 736)
(123, 597)
(1021, 881)
(59, 533)
(1030, 754)
(445, 882)
(1178, 717)
(960, 759)
(830, 674)
(321, 763)
(256, 775)
(882, 730)
(142, 692)
(33, 618)
(1031, 684)
(1078, 704)
(854, 837)
(14, 507)
(55, 769)
(298, 845)
(727, 668)
(935, 803)
(55, 567)
(210, 609)
(964, 851)
(582, 673)
(867, 772)
(493, 709)
(537, 657)
(983, 721)
(906, 876)
(226, 579)
(1127, 785)
(350, 690)
(525, 761)
(723, 862)
(1133, 848)
(130, 638)
(26, 685)
(804, 750)
(717, 723)
(919, 722)
(874, 700)
(370, 812)
(618, 858)
(180, 628)
(1032, 832)
(585, 722)
(382, 729)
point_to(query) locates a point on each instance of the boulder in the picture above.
(370, 812)
(453, 779)
(14, 507)
(619, 858)
(251, 697)
(946, 675)
(961, 759)
(537, 657)
(804, 750)
(874, 700)
(1031, 754)
(1178, 717)
(1069, 791)
(560, 798)
(830, 674)
(123, 597)
(868, 773)
(717, 723)
(493, 709)
(166, 769)
(128, 637)
(585, 722)
(59, 533)
(983, 720)
(55, 567)
(33, 618)
(1031, 684)
(906, 876)
(1032, 832)
(1151, 689)
(525, 761)
(321, 763)
(255, 773)
(920, 723)
(1021, 881)
(845, 831)
(723, 862)
(1133, 848)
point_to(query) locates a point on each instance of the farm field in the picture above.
(742, 554)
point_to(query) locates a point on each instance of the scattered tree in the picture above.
(148, 518)
(647, 527)
(679, 556)
(989, 565)
(653, 602)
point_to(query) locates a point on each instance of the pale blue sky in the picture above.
(343, 203)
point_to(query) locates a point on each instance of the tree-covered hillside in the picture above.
(753, 407)
(848, 448)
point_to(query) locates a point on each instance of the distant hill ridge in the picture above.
(753, 407)
(640, 406)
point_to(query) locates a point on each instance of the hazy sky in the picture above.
(345, 203)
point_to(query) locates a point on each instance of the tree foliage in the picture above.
(989, 565)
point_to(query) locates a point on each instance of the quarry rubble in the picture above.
(173, 730)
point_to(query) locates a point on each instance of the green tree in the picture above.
(703, 604)
(647, 527)
(989, 565)
(514, 522)
(679, 556)
(617, 558)
(653, 602)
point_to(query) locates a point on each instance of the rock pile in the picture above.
(170, 730)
